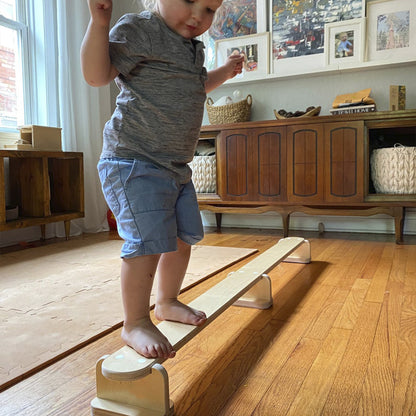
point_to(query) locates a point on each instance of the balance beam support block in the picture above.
(147, 396)
(259, 296)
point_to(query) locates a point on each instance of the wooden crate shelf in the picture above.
(47, 186)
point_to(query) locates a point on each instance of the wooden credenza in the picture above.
(46, 186)
(315, 165)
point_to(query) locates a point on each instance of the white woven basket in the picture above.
(393, 170)
(204, 173)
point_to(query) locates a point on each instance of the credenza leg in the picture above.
(43, 232)
(218, 219)
(285, 223)
(399, 214)
(67, 225)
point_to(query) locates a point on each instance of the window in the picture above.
(13, 49)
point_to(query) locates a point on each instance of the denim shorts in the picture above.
(152, 210)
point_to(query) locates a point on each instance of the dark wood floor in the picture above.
(340, 339)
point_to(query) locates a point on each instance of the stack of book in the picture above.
(352, 109)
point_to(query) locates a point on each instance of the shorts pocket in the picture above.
(109, 183)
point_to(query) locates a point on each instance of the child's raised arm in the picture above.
(95, 57)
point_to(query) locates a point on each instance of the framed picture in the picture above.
(255, 50)
(234, 18)
(298, 32)
(345, 43)
(391, 30)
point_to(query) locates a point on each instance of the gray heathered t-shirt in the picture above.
(160, 107)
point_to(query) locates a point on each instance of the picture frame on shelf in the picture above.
(256, 51)
(298, 32)
(391, 30)
(345, 43)
(234, 18)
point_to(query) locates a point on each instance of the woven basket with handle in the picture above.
(229, 113)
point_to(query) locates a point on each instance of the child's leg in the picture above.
(139, 332)
(171, 272)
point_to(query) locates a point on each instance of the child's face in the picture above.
(189, 18)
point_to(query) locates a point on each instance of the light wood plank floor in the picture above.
(339, 340)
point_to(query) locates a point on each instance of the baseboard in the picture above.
(377, 224)
(20, 235)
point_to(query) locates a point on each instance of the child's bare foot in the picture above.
(147, 340)
(173, 310)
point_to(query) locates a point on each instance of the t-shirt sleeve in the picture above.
(129, 43)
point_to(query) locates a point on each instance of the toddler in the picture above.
(157, 64)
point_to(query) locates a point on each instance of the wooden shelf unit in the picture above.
(316, 165)
(47, 186)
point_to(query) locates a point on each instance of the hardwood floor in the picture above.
(339, 340)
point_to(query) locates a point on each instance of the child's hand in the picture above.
(101, 11)
(234, 65)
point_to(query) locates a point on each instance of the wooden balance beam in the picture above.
(129, 384)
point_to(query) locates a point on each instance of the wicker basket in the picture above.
(229, 113)
(393, 170)
(204, 173)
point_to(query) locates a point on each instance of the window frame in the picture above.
(22, 30)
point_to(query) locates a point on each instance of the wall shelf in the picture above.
(364, 66)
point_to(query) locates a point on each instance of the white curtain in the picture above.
(83, 110)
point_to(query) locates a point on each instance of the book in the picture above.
(353, 109)
(397, 97)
